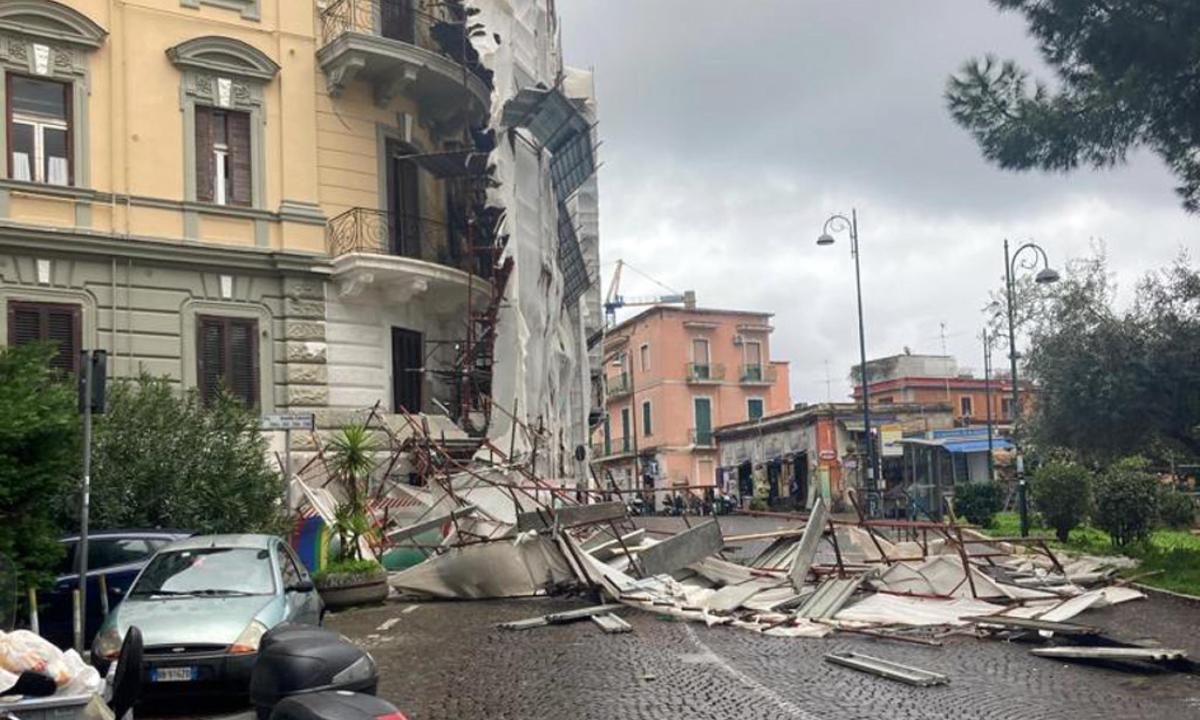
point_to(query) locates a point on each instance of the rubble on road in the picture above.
(505, 532)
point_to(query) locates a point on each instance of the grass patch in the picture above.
(1174, 554)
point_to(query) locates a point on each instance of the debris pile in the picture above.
(504, 532)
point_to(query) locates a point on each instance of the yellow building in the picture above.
(287, 197)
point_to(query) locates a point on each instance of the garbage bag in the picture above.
(22, 651)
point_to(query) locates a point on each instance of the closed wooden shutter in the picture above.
(210, 356)
(227, 357)
(205, 179)
(47, 322)
(241, 192)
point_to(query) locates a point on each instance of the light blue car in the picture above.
(202, 605)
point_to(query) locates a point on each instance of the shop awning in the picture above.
(977, 446)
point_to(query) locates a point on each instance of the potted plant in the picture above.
(350, 579)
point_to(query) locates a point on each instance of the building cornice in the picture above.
(74, 241)
(53, 21)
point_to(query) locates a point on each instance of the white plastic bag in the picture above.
(22, 651)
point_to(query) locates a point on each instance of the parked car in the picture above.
(202, 605)
(118, 555)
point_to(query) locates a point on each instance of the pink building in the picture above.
(673, 375)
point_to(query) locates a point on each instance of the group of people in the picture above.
(714, 501)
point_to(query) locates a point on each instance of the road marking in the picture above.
(388, 624)
(784, 704)
(409, 609)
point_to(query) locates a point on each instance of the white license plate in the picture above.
(175, 674)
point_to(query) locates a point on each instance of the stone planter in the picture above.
(342, 590)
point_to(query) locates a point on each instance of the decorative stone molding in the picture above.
(51, 22)
(250, 9)
(218, 55)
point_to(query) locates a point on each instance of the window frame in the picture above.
(762, 408)
(966, 406)
(647, 419)
(40, 124)
(76, 310)
(626, 427)
(228, 321)
(644, 353)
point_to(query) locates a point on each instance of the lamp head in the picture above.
(825, 239)
(1047, 276)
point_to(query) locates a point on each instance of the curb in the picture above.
(1168, 593)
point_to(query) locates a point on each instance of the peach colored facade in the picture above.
(967, 396)
(673, 376)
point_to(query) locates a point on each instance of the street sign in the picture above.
(287, 422)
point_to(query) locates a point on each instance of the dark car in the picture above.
(118, 555)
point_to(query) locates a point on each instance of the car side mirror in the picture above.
(302, 587)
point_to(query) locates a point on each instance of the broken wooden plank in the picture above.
(682, 549)
(1123, 654)
(409, 531)
(888, 669)
(571, 516)
(612, 624)
(1019, 623)
(560, 618)
(807, 550)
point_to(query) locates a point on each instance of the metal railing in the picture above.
(367, 230)
(705, 372)
(618, 384)
(440, 26)
(758, 373)
(702, 437)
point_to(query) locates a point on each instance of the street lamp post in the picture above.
(1044, 276)
(837, 224)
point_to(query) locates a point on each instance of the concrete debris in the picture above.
(888, 669)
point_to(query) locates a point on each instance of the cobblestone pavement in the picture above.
(448, 660)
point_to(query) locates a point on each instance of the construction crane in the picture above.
(615, 300)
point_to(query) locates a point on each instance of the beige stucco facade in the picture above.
(331, 101)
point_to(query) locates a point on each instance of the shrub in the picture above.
(352, 453)
(1061, 490)
(1126, 500)
(978, 503)
(1176, 510)
(346, 567)
(39, 434)
(162, 458)
(758, 504)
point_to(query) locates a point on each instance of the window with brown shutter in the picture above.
(227, 356)
(30, 322)
(223, 162)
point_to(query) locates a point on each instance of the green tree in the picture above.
(39, 435)
(1126, 500)
(1124, 80)
(161, 458)
(978, 503)
(1061, 493)
(1112, 383)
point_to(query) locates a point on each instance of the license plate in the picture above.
(175, 674)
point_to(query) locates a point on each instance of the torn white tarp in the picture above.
(897, 610)
(527, 565)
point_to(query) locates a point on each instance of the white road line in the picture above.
(388, 624)
(409, 609)
(791, 708)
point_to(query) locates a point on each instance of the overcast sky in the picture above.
(732, 130)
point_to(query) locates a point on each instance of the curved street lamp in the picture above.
(839, 224)
(1045, 276)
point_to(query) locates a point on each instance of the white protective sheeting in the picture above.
(541, 361)
(528, 565)
(897, 610)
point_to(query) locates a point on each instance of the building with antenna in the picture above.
(672, 376)
(928, 379)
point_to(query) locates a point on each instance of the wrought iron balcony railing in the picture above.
(702, 437)
(758, 373)
(440, 26)
(619, 385)
(365, 230)
(705, 372)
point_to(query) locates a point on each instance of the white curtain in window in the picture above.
(57, 171)
(22, 168)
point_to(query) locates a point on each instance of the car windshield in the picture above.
(208, 571)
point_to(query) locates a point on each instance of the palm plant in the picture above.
(352, 458)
